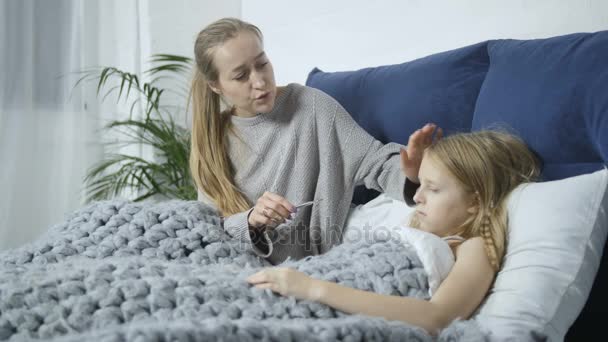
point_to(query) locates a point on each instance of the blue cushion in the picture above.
(554, 94)
(390, 102)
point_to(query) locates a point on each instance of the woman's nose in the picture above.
(258, 80)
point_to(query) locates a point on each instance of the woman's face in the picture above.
(442, 204)
(245, 75)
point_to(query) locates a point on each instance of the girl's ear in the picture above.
(474, 206)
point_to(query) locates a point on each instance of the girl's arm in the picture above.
(457, 297)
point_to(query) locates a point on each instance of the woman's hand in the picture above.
(411, 158)
(287, 282)
(270, 210)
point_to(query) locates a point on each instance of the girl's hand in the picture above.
(411, 158)
(287, 282)
(270, 211)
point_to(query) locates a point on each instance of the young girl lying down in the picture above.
(465, 180)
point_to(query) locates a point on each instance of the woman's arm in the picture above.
(369, 162)
(457, 297)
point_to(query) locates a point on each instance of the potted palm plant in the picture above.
(167, 174)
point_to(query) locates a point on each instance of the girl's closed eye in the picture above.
(430, 188)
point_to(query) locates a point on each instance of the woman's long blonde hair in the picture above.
(489, 164)
(209, 162)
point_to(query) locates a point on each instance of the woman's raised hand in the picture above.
(411, 156)
(270, 211)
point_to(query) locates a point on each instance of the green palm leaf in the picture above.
(167, 175)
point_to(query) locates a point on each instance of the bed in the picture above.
(115, 270)
(552, 93)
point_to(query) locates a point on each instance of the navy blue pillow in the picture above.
(554, 94)
(390, 102)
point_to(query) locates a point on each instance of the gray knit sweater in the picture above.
(308, 147)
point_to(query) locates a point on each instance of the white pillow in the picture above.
(557, 232)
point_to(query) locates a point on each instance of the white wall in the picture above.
(175, 24)
(352, 34)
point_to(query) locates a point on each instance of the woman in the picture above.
(465, 182)
(274, 147)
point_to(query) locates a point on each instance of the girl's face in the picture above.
(442, 204)
(246, 77)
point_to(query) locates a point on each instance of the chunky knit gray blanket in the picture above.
(121, 271)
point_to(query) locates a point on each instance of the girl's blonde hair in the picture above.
(209, 162)
(489, 164)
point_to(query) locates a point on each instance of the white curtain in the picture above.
(49, 131)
